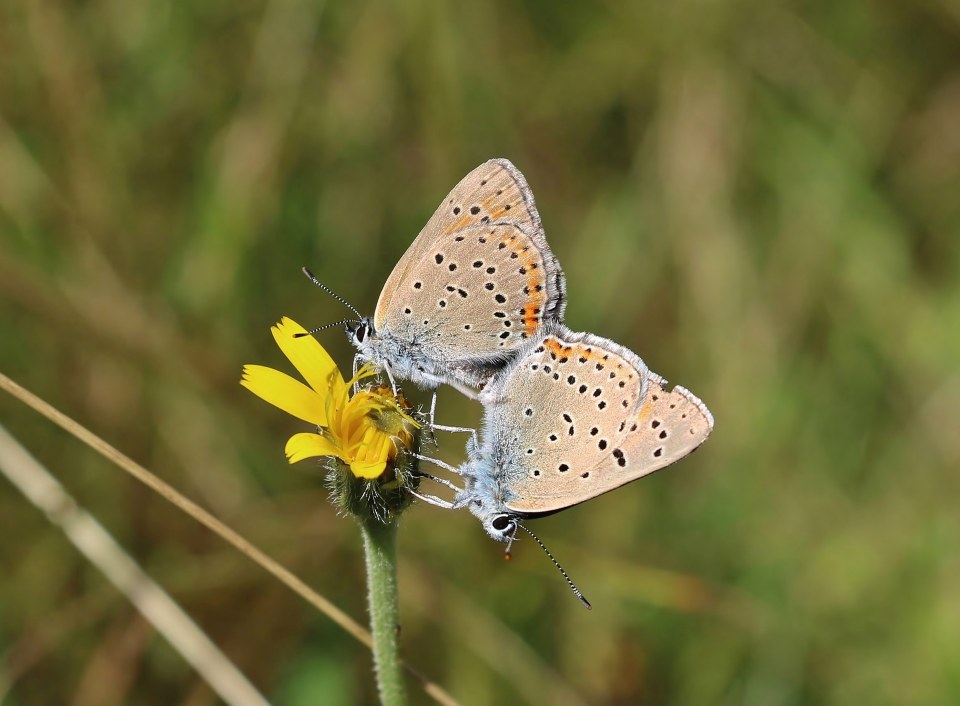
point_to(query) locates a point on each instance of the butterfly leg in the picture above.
(443, 427)
(436, 380)
(433, 500)
(437, 462)
(463, 389)
(357, 358)
(441, 481)
(472, 432)
(393, 383)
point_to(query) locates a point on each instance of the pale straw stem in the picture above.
(102, 550)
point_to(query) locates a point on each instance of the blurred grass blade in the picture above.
(100, 548)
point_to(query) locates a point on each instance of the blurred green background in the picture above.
(760, 198)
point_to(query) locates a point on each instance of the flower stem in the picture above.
(379, 543)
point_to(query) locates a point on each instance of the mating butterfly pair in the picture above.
(477, 302)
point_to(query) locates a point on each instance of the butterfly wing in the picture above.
(580, 416)
(480, 278)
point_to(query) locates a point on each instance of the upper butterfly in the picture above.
(471, 290)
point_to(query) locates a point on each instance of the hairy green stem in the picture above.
(379, 544)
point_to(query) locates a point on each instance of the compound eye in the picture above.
(501, 523)
(361, 333)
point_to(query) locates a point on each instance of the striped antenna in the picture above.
(325, 327)
(576, 591)
(333, 294)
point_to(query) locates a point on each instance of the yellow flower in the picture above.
(365, 430)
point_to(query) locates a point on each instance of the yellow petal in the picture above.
(385, 447)
(306, 445)
(367, 370)
(359, 443)
(368, 469)
(281, 390)
(378, 446)
(333, 413)
(355, 429)
(309, 358)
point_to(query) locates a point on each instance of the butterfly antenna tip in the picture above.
(329, 291)
(573, 587)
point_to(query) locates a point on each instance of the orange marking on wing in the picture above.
(553, 345)
(645, 410)
(530, 319)
(534, 267)
(464, 221)
(533, 307)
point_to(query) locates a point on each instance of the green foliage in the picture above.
(758, 198)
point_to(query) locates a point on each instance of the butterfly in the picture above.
(472, 292)
(571, 418)
(574, 417)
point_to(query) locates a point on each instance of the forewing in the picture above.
(491, 217)
(581, 416)
(480, 295)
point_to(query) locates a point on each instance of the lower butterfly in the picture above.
(575, 416)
